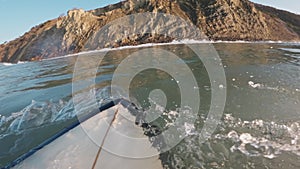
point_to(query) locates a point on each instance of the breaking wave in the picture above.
(267, 139)
(39, 114)
(237, 144)
(175, 42)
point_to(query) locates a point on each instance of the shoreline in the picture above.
(175, 42)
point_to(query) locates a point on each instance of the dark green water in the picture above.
(260, 126)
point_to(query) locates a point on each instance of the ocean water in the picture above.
(259, 128)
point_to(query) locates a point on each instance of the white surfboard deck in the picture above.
(79, 148)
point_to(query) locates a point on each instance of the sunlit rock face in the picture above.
(228, 20)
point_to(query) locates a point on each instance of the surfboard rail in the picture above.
(125, 103)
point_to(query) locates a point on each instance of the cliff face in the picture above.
(217, 19)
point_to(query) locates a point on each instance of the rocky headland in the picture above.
(227, 20)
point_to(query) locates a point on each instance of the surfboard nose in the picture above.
(106, 140)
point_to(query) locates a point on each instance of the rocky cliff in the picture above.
(217, 19)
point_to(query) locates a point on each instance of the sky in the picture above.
(18, 16)
(289, 5)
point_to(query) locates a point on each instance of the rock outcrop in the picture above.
(217, 19)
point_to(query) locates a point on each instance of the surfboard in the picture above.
(107, 139)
